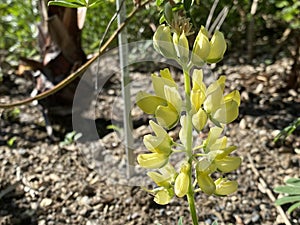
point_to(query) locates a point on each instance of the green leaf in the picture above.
(180, 221)
(293, 181)
(292, 190)
(69, 4)
(168, 13)
(215, 222)
(159, 2)
(95, 3)
(11, 141)
(187, 4)
(162, 19)
(287, 199)
(293, 207)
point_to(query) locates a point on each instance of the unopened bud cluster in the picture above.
(176, 46)
(205, 167)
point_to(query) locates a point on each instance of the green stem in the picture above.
(189, 144)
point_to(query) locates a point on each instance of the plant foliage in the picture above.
(292, 194)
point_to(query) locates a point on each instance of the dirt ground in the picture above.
(45, 182)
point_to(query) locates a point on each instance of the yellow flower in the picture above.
(225, 187)
(163, 197)
(198, 90)
(159, 82)
(166, 176)
(152, 160)
(166, 105)
(229, 109)
(161, 142)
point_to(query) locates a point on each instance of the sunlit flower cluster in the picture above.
(206, 164)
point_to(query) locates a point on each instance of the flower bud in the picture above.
(225, 187)
(201, 48)
(199, 119)
(218, 48)
(182, 181)
(182, 47)
(162, 42)
(206, 183)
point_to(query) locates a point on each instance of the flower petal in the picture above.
(152, 160)
(225, 187)
(228, 163)
(148, 103)
(166, 116)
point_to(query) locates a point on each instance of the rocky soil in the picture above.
(46, 182)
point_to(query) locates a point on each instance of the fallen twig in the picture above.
(81, 69)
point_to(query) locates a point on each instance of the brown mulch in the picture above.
(43, 182)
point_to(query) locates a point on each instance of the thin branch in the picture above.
(219, 20)
(110, 23)
(80, 70)
(211, 13)
(102, 39)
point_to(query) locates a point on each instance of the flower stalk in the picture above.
(201, 107)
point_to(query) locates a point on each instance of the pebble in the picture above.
(243, 124)
(46, 202)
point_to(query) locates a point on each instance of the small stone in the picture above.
(293, 93)
(42, 222)
(135, 215)
(243, 124)
(259, 88)
(46, 202)
(83, 211)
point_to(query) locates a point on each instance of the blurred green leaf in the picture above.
(287, 199)
(292, 190)
(159, 2)
(11, 141)
(70, 138)
(168, 13)
(180, 221)
(75, 3)
(288, 130)
(293, 181)
(187, 4)
(69, 3)
(293, 207)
